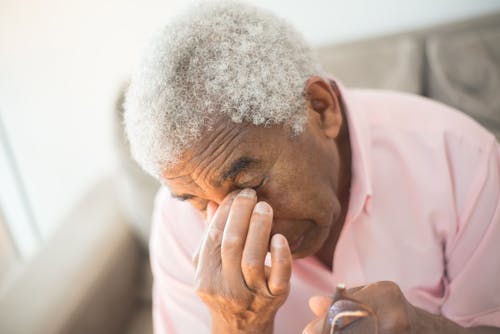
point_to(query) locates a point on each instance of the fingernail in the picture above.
(247, 192)
(263, 208)
(278, 240)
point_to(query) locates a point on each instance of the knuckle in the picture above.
(251, 265)
(394, 290)
(203, 291)
(278, 288)
(232, 242)
(283, 262)
(204, 295)
(398, 324)
(214, 234)
(389, 287)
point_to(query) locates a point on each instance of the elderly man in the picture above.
(283, 184)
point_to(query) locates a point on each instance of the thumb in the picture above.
(320, 305)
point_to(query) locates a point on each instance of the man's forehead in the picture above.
(185, 187)
(228, 172)
(224, 153)
(211, 139)
(220, 173)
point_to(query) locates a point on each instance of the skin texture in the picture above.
(389, 312)
(293, 204)
(242, 294)
(305, 194)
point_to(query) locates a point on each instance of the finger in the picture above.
(375, 295)
(235, 233)
(196, 256)
(345, 312)
(209, 214)
(314, 327)
(345, 318)
(319, 305)
(349, 305)
(211, 208)
(209, 249)
(256, 244)
(281, 267)
(385, 300)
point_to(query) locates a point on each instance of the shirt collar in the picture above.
(361, 185)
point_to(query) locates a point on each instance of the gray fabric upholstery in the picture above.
(464, 72)
(394, 63)
(83, 280)
(140, 319)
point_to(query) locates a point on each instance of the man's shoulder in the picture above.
(392, 111)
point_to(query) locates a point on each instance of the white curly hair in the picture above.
(219, 59)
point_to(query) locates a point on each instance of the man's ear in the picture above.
(324, 102)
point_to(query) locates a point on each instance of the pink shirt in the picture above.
(424, 212)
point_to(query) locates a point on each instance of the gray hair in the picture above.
(220, 59)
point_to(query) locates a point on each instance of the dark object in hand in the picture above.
(342, 312)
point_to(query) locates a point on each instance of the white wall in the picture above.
(61, 63)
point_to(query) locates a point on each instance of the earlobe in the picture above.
(324, 101)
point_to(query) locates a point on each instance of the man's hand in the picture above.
(387, 311)
(242, 294)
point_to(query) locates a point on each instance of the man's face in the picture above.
(297, 176)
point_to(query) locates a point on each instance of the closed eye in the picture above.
(200, 204)
(255, 187)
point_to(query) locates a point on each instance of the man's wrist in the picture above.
(223, 326)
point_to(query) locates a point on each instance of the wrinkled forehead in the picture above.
(224, 145)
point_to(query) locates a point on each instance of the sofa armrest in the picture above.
(84, 278)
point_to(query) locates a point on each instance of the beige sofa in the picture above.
(93, 275)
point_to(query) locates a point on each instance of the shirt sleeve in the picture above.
(472, 252)
(176, 231)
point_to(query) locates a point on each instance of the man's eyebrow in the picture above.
(236, 167)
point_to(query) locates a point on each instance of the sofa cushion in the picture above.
(85, 277)
(140, 319)
(387, 63)
(464, 72)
